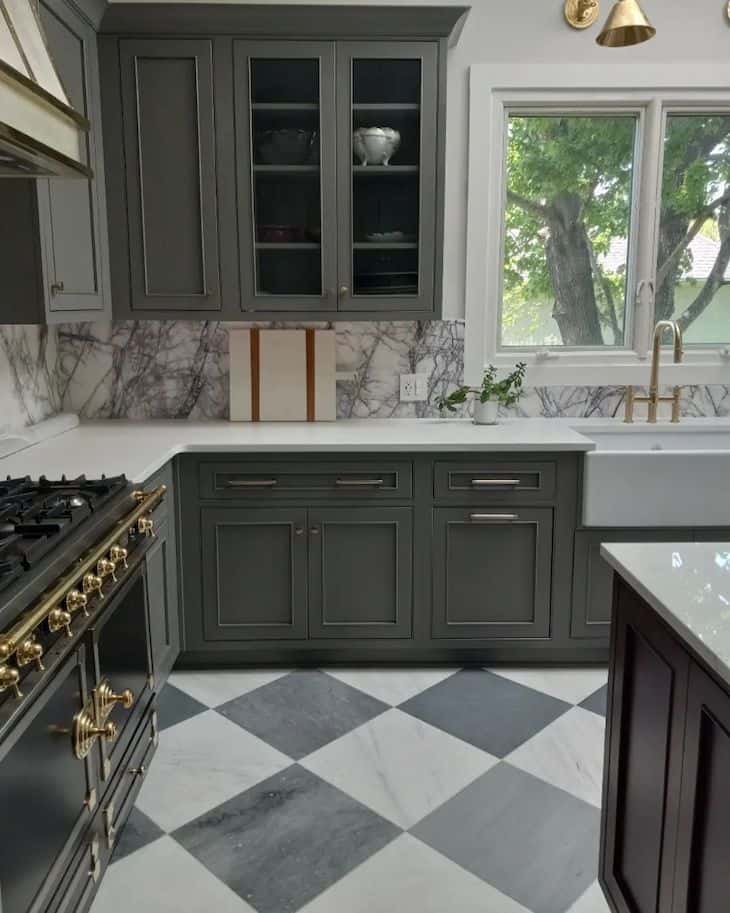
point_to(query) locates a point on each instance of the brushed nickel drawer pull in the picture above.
(495, 483)
(359, 483)
(493, 518)
(251, 483)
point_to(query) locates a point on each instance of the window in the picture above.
(593, 212)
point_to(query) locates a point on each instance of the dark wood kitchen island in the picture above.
(665, 844)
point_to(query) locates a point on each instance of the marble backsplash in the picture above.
(178, 369)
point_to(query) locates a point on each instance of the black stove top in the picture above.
(35, 517)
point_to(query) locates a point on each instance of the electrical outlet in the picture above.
(413, 388)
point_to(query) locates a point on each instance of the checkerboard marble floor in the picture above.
(369, 791)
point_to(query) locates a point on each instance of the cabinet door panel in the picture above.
(593, 577)
(492, 572)
(703, 873)
(648, 692)
(387, 209)
(162, 589)
(72, 213)
(285, 143)
(361, 572)
(167, 98)
(254, 573)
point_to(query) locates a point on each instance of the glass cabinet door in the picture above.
(284, 107)
(387, 98)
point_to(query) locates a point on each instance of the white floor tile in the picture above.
(218, 686)
(568, 753)
(410, 877)
(592, 901)
(399, 766)
(164, 878)
(201, 763)
(392, 686)
(571, 685)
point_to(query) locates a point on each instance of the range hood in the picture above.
(41, 135)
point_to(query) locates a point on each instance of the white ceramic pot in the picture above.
(375, 145)
(486, 413)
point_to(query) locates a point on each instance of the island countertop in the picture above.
(688, 585)
(139, 448)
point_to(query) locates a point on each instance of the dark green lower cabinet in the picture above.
(254, 573)
(164, 599)
(492, 572)
(360, 572)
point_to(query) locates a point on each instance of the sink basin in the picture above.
(676, 476)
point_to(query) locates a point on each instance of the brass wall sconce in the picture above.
(626, 24)
(581, 14)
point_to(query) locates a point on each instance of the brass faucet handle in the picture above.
(629, 405)
(145, 526)
(93, 583)
(58, 619)
(676, 405)
(119, 555)
(106, 568)
(30, 651)
(76, 601)
(9, 678)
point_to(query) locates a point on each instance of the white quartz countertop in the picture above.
(688, 584)
(139, 449)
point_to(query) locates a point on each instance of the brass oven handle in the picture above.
(105, 698)
(251, 483)
(495, 483)
(493, 518)
(359, 483)
(85, 730)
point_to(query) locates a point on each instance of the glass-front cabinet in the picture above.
(336, 150)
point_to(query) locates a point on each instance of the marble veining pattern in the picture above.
(179, 369)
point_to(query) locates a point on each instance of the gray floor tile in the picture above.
(487, 710)
(175, 706)
(597, 701)
(302, 711)
(283, 842)
(136, 833)
(530, 840)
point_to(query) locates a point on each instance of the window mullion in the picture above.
(646, 217)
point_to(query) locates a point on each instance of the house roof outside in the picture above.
(704, 253)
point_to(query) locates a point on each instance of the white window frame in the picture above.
(652, 92)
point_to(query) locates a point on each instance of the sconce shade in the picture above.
(626, 25)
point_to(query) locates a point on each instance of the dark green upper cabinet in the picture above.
(249, 185)
(164, 228)
(54, 254)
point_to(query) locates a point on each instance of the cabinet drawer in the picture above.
(129, 779)
(272, 480)
(493, 480)
(81, 879)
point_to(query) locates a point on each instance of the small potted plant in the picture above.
(490, 396)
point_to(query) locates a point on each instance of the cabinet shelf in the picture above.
(386, 107)
(390, 170)
(287, 245)
(385, 245)
(283, 106)
(286, 169)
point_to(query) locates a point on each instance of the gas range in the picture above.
(37, 516)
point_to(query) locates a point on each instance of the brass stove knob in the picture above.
(145, 526)
(76, 601)
(30, 652)
(92, 583)
(119, 555)
(106, 568)
(60, 619)
(9, 678)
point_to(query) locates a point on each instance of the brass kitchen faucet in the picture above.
(654, 398)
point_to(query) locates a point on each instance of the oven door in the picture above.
(47, 795)
(122, 666)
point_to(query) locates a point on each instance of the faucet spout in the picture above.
(653, 399)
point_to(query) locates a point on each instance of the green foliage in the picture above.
(586, 162)
(506, 391)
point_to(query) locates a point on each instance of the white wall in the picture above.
(534, 30)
